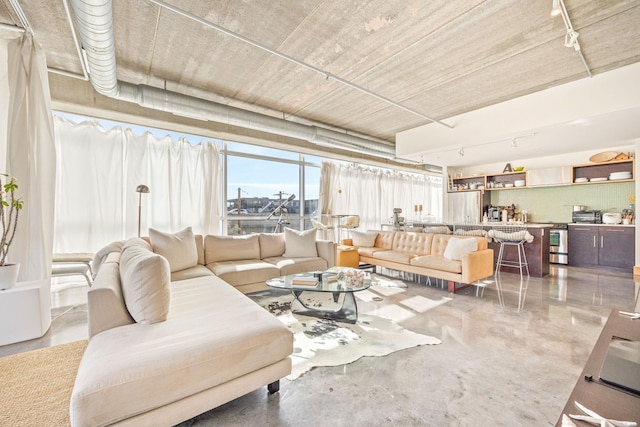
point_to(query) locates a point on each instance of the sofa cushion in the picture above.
(514, 236)
(414, 243)
(271, 245)
(395, 256)
(190, 273)
(370, 251)
(179, 248)
(458, 247)
(244, 272)
(366, 239)
(300, 244)
(437, 262)
(214, 334)
(384, 240)
(145, 278)
(231, 248)
(297, 265)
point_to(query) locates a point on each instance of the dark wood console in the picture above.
(605, 400)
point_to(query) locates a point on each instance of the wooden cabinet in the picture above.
(601, 246)
(583, 245)
(507, 180)
(464, 183)
(617, 247)
(601, 171)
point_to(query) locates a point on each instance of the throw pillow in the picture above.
(179, 249)
(145, 279)
(300, 244)
(271, 245)
(364, 239)
(458, 247)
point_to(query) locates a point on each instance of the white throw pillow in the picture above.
(364, 239)
(300, 244)
(457, 248)
(271, 245)
(145, 279)
(179, 249)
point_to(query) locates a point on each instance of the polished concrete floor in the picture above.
(507, 358)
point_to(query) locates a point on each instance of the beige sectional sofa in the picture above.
(457, 259)
(169, 339)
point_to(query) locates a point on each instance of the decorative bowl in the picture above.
(518, 169)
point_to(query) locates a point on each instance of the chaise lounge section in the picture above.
(169, 339)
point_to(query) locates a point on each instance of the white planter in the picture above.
(9, 275)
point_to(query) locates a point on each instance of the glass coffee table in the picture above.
(338, 281)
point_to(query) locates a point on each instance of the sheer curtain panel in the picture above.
(99, 170)
(27, 151)
(372, 193)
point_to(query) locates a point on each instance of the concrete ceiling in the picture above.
(440, 58)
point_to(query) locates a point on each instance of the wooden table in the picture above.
(605, 400)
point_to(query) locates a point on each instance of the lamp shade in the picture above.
(142, 189)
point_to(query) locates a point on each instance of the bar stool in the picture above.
(515, 236)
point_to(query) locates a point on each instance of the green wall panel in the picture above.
(556, 203)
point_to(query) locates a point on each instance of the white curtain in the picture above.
(27, 151)
(373, 193)
(99, 170)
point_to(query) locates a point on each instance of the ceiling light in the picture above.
(461, 152)
(571, 39)
(555, 8)
(514, 143)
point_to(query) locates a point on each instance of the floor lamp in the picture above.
(140, 189)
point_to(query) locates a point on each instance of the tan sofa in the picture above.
(424, 253)
(146, 364)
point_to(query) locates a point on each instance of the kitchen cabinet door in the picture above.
(583, 246)
(617, 247)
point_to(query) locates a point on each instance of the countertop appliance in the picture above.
(587, 216)
(559, 244)
(612, 218)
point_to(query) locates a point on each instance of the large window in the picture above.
(267, 190)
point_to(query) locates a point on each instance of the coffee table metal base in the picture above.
(348, 311)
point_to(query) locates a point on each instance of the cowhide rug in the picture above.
(321, 342)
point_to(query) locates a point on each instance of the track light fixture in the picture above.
(514, 143)
(571, 37)
(461, 152)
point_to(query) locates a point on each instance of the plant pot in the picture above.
(9, 275)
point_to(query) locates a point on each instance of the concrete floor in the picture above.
(507, 358)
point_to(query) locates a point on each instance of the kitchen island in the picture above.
(537, 251)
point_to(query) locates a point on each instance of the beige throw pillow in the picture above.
(271, 245)
(179, 249)
(300, 244)
(145, 279)
(364, 239)
(457, 248)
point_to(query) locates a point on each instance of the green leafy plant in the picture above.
(9, 213)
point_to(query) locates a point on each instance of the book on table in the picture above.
(310, 281)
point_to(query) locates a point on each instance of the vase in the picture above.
(8, 275)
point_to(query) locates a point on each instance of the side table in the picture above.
(25, 311)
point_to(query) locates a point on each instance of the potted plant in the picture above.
(9, 213)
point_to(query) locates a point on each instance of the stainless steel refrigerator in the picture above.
(465, 207)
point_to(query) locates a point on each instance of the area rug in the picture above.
(35, 386)
(322, 342)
